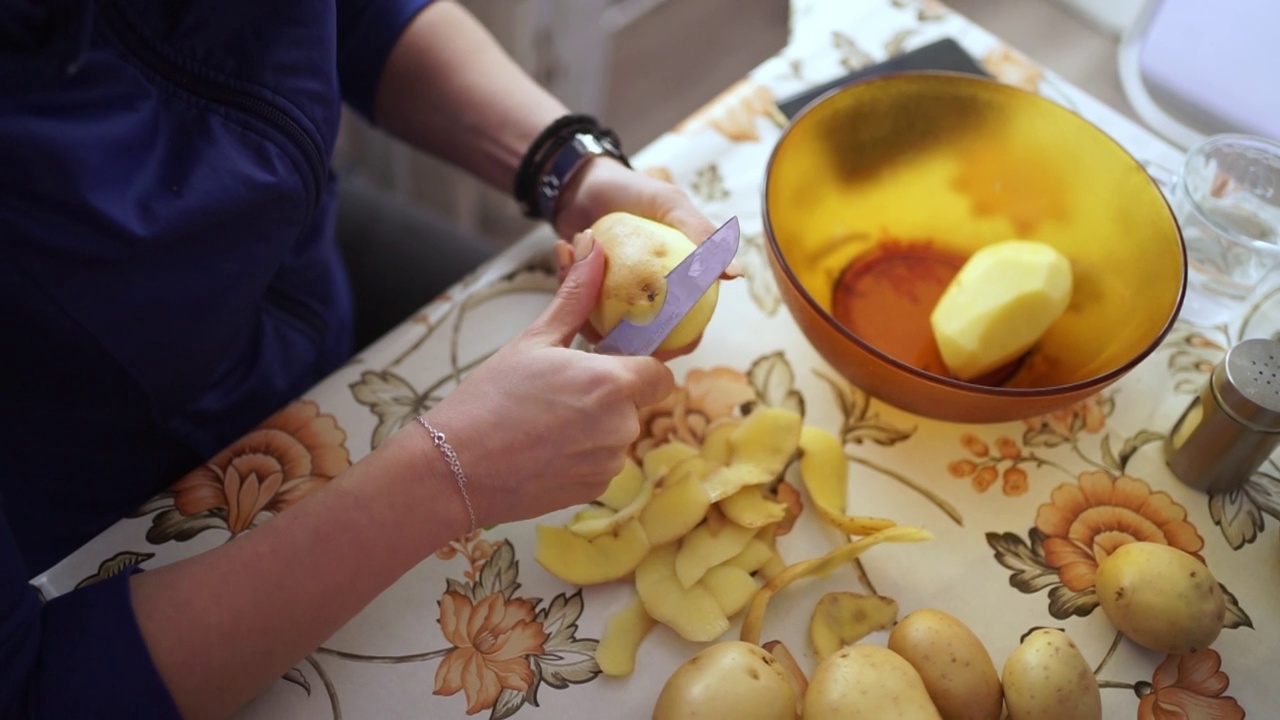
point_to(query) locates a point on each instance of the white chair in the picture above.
(1192, 68)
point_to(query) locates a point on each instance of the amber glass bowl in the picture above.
(905, 176)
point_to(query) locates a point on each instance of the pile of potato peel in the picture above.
(694, 529)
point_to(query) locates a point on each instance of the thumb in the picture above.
(577, 295)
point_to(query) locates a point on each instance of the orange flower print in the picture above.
(707, 396)
(1014, 482)
(1013, 68)
(491, 641)
(290, 454)
(1084, 523)
(733, 113)
(1088, 415)
(1188, 686)
(471, 547)
(984, 468)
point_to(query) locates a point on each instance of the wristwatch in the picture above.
(566, 162)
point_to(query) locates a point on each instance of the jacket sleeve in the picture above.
(367, 30)
(80, 655)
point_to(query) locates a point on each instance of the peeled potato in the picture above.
(728, 680)
(1046, 678)
(996, 308)
(640, 253)
(1161, 597)
(955, 666)
(867, 682)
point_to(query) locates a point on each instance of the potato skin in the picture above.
(867, 682)
(640, 253)
(1161, 597)
(728, 680)
(1046, 678)
(956, 668)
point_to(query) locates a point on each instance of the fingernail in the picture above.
(564, 255)
(734, 270)
(583, 244)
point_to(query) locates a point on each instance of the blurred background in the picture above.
(643, 65)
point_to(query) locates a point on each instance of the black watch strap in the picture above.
(556, 156)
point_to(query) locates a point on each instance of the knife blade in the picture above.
(686, 284)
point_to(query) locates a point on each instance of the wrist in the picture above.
(427, 484)
(557, 158)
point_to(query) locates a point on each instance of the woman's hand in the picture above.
(606, 186)
(538, 426)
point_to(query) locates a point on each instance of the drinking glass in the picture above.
(1227, 201)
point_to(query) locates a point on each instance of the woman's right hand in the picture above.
(538, 426)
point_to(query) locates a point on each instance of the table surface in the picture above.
(1001, 561)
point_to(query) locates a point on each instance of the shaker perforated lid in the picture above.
(1247, 384)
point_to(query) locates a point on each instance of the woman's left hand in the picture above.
(606, 185)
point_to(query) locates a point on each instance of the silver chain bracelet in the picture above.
(438, 439)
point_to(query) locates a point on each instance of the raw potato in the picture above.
(955, 666)
(843, 618)
(867, 682)
(999, 305)
(727, 680)
(639, 254)
(580, 561)
(1046, 678)
(1161, 597)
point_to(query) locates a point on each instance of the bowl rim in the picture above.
(993, 391)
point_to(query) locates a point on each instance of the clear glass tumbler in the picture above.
(1227, 201)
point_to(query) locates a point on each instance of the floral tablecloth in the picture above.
(1020, 510)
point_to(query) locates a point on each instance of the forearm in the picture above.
(222, 626)
(451, 90)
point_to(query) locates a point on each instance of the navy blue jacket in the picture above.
(168, 278)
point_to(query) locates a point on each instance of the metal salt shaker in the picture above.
(1234, 425)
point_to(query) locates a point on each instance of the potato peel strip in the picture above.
(754, 620)
(825, 474)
